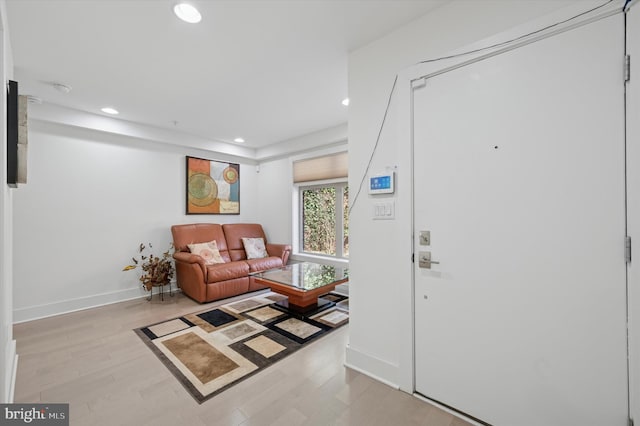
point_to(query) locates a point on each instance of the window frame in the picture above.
(340, 185)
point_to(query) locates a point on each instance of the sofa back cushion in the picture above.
(200, 233)
(235, 232)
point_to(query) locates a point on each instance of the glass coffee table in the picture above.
(303, 283)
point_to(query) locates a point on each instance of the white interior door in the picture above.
(520, 179)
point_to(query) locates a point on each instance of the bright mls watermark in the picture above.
(36, 414)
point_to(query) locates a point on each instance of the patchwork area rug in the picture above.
(212, 350)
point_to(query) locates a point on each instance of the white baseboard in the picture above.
(31, 313)
(12, 370)
(14, 373)
(448, 410)
(373, 367)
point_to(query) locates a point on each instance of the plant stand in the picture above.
(161, 291)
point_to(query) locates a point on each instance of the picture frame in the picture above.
(212, 187)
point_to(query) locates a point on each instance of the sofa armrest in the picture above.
(279, 250)
(182, 256)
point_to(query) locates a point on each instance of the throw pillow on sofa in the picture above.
(254, 247)
(208, 251)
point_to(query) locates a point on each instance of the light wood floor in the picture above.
(93, 360)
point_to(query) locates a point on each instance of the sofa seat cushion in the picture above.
(265, 263)
(227, 271)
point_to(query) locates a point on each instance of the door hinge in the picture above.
(413, 258)
(627, 249)
(627, 68)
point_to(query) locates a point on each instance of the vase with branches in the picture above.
(156, 270)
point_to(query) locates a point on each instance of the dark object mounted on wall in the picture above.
(12, 134)
(16, 136)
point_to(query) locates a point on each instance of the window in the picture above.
(323, 200)
(324, 221)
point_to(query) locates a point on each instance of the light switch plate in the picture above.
(384, 210)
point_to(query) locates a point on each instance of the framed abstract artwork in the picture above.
(213, 187)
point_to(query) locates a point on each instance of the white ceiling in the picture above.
(263, 70)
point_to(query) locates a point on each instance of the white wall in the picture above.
(274, 198)
(91, 198)
(97, 187)
(275, 179)
(8, 357)
(380, 342)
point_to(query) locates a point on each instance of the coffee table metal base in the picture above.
(302, 312)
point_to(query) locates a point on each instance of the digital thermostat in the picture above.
(381, 184)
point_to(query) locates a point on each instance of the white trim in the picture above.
(633, 207)
(312, 142)
(406, 333)
(327, 260)
(448, 410)
(323, 152)
(430, 69)
(319, 183)
(456, 63)
(374, 377)
(296, 215)
(70, 131)
(57, 114)
(327, 139)
(418, 396)
(13, 356)
(371, 366)
(31, 313)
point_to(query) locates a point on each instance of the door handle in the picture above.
(424, 260)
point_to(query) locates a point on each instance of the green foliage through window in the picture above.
(324, 219)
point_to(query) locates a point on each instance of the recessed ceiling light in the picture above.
(239, 140)
(345, 102)
(110, 110)
(187, 13)
(61, 87)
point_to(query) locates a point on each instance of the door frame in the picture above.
(632, 137)
(404, 93)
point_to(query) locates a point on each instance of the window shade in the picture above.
(320, 168)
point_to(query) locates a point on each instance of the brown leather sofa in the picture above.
(206, 283)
